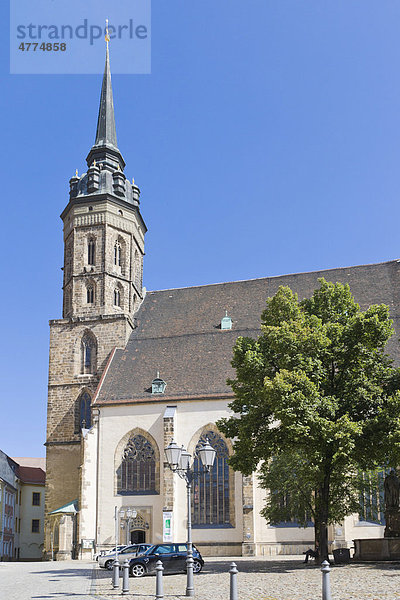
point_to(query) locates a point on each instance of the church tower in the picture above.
(102, 288)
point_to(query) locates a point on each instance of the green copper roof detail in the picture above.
(70, 507)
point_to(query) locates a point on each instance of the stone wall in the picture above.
(106, 225)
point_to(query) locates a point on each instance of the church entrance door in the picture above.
(138, 536)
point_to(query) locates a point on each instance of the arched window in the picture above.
(90, 294)
(211, 494)
(88, 353)
(117, 297)
(91, 251)
(117, 254)
(85, 417)
(137, 471)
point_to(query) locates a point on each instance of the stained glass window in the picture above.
(372, 497)
(137, 471)
(210, 500)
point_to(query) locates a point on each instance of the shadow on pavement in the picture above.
(86, 572)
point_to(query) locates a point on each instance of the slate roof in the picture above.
(178, 331)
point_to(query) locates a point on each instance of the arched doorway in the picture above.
(138, 536)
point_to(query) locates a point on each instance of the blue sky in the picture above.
(266, 140)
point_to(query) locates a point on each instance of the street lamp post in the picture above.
(129, 514)
(179, 462)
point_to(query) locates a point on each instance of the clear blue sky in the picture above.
(265, 141)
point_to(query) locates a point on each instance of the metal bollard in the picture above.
(115, 575)
(159, 581)
(326, 586)
(125, 577)
(233, 595)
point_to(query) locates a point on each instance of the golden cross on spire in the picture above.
(107, 37)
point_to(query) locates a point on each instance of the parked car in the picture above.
(104, 552)
(172, 556)
(127, 552)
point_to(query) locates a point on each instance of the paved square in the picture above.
(285, 578)
(282, 578)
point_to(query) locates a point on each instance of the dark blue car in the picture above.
(172, 556)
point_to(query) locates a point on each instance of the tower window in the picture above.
(90, 295)
(88, 353)
(117, 254)
(117, 298)
(88, 356)
(91, 249)
(84, 411)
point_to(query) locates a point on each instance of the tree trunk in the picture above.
(323, 542)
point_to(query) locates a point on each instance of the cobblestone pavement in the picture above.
(283, 578)
(69, 580)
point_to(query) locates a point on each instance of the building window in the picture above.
(211, 501)
(372, 497)
(88, 354)
(117, 298)
(35, 498)
(90, 295)
(117, 254)
(137, 471)
(85, 417)
(91, 251)
(35, 526)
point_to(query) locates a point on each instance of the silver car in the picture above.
(103, 552)
(106, 561)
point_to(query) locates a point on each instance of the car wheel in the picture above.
(197, 566)
(109, 565)
(138, 570)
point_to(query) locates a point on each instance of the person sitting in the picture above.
(311, 553)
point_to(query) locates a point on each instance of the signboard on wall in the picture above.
(167, 527)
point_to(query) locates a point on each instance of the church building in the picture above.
(131, 370)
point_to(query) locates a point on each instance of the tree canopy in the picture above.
(316, 401)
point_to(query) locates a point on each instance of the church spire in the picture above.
(106, 133)
(105, 149)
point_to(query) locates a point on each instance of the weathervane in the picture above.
(107, 36)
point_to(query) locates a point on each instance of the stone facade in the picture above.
(115, 263)
(102, 289)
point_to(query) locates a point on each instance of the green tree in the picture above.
(316, 401)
